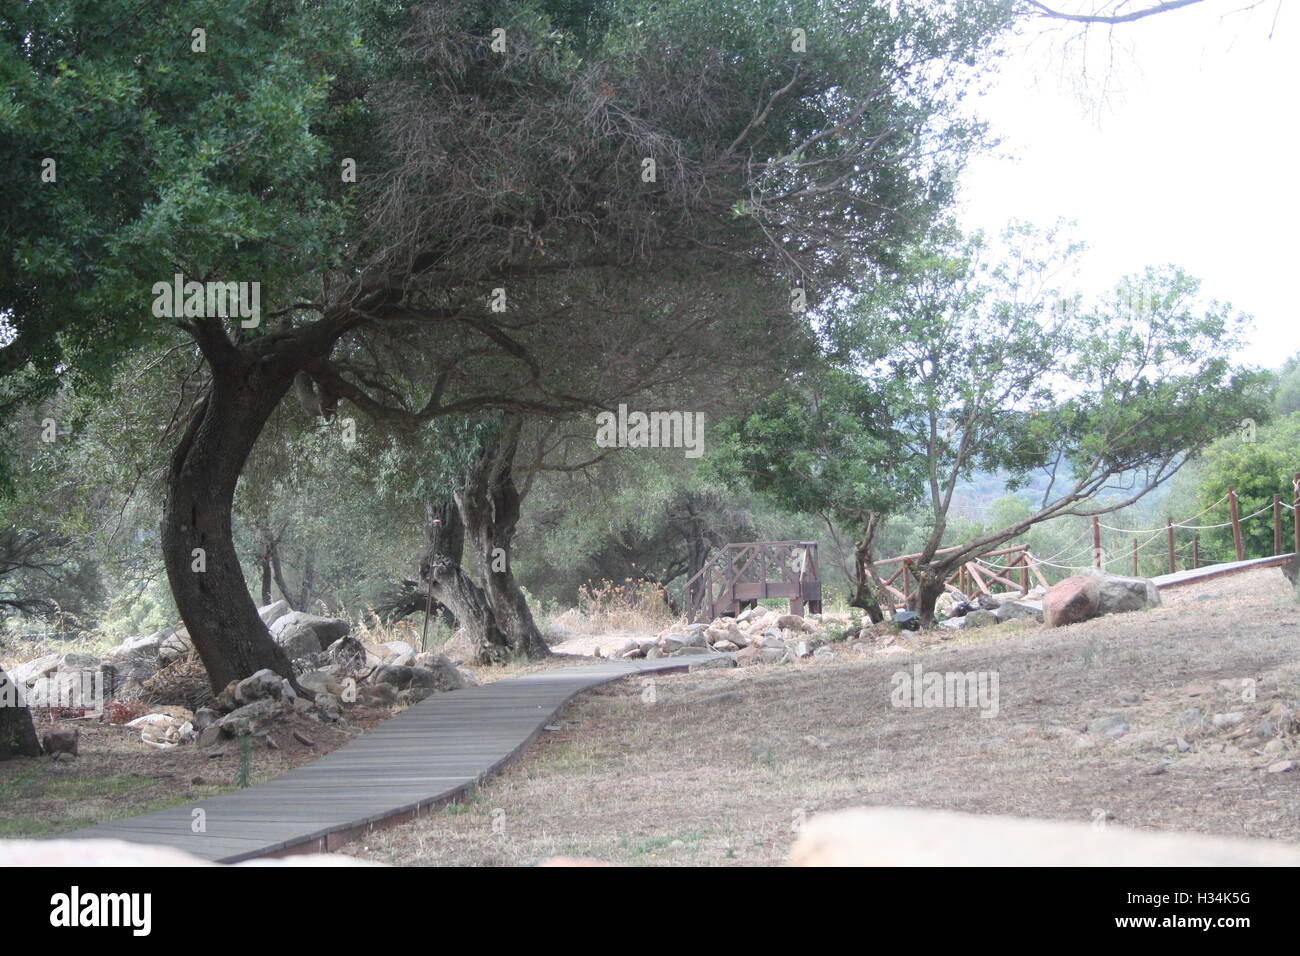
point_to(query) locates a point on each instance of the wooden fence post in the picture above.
(1236, 523)
(1295, 505)
(1096, 542)
(1196, 550)
(1277, 524)
(1169, 525)
(1024, 570)
(1135, 557)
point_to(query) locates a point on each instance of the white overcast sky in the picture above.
(1189, 158)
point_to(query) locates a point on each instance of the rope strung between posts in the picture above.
(1177, 524)
(1088, 551)
(1226, 524)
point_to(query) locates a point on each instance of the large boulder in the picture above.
(321, 682)
(273, 612)
(143, 648)
(175, 646)
(347, 653)
(896, 836)
(1118, 594)
(265, 683)
(435, 672)
(251, 719)
(133, 662)
(1070, 601)
(301, 634)
(24, 675)
(78, 662)
(1015, 610)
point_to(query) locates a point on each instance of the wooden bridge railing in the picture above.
(745, 572)
(970, 578)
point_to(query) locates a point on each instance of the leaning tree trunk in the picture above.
(867, 588)
(450, 586)
(489, 506)
(17, 733)
(198, 547)
(929, 586)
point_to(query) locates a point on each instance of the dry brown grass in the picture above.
(604, 606)
(117, 775)
(723, 765)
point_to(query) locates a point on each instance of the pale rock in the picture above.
(895, 836)
(1018, 610)
(793, 622)
(301, 634)
(273, 612)
(1118, 594)
(1113, 726)
(262, 684)
(175, 646)
(254, 718)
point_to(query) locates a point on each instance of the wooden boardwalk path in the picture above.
(425, 756)
(1192, 575)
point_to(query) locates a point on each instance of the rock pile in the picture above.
(989, 609)
(334, 668)
(757, 635)
(1240, 716)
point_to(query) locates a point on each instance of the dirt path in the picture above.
(720, 766)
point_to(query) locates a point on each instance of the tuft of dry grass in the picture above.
(604, 606)
(722, 766)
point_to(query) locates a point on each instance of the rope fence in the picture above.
(1018, 561)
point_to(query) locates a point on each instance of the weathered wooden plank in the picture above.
(424, 755)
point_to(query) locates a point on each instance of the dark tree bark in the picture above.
(308, 588)
(406, 598)
(867, 589)
(268, 549)
(266, 580)
(198, 547)
(277, 572)
(17, 733)
(489, 505)
(929, 586)
(447, 581)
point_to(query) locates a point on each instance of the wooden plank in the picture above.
(421, 758)
(1192, 575)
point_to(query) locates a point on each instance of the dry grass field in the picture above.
(720, 767)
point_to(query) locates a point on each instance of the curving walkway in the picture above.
(425, 756)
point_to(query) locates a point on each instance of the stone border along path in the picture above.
(426, 756)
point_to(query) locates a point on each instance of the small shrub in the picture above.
(609, 606)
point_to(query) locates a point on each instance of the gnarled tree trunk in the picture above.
(450, 586)
(929, 586)
(867, 587)
(489, 506)
(198, 546)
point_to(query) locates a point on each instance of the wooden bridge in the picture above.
(739, 575)
(1015, 571)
